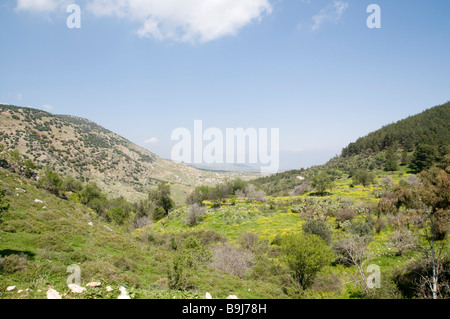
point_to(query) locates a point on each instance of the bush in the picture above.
(319, 228)
(299, 189)
(187, 259)
(402, 240)
(305, 255)
(249, 241)
(345, 214)
(13, 263)
(71, 184)
(254, 195)
(195, 215)
(3, 207)
(50, 181)
(158, 213)
(232, 260)
(141, 222)
(362, 229)
(118, 214)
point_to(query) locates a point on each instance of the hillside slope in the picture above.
(78, 147)
(429, 130)
(42, 234)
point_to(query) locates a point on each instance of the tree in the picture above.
(199, 194)
(353, 251)
(195, 214)
(391, 161)
(322, 182)
(161, 197)
(364, 177)
(70, 184)
(306, 255)
(405, 158)
(429, 206)
(424, 157)
(89, 193)
(50, 181)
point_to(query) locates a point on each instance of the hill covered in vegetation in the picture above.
(415, 144)
(80, 148)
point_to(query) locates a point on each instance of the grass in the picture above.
(55, 234)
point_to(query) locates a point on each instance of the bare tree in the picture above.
(435, 253)
(353, 251)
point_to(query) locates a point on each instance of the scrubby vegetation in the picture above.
(315, 233)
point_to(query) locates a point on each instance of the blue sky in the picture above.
(312, 68)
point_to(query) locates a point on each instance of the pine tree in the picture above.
(391, 162)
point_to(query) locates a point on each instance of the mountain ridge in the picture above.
(76, 146)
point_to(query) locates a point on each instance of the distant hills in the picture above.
(81, 148)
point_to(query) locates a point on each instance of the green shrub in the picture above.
(50, 181)
(306, 255)
(362, 229)
(319, 228)
(71, 184)
(185, 262)
(158, 213)
(3, 207)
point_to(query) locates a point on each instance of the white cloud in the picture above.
(332, 13)
(151, 141)
(19, 96)
(41, 5)
(47, 107)
(184, 20)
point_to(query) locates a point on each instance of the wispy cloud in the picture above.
(332, 13)
(151, 141)
(41, 5)
(19, 96)
(47, 107)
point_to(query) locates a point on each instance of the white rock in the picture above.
(123, 293)
(20, 291)
(208, 296)
(38, 201)
(76, 289)
(232, 297)
(109, 289)
(93, 284)
(108, 228)
(53, 294)
(10, 288)
(90, 224)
